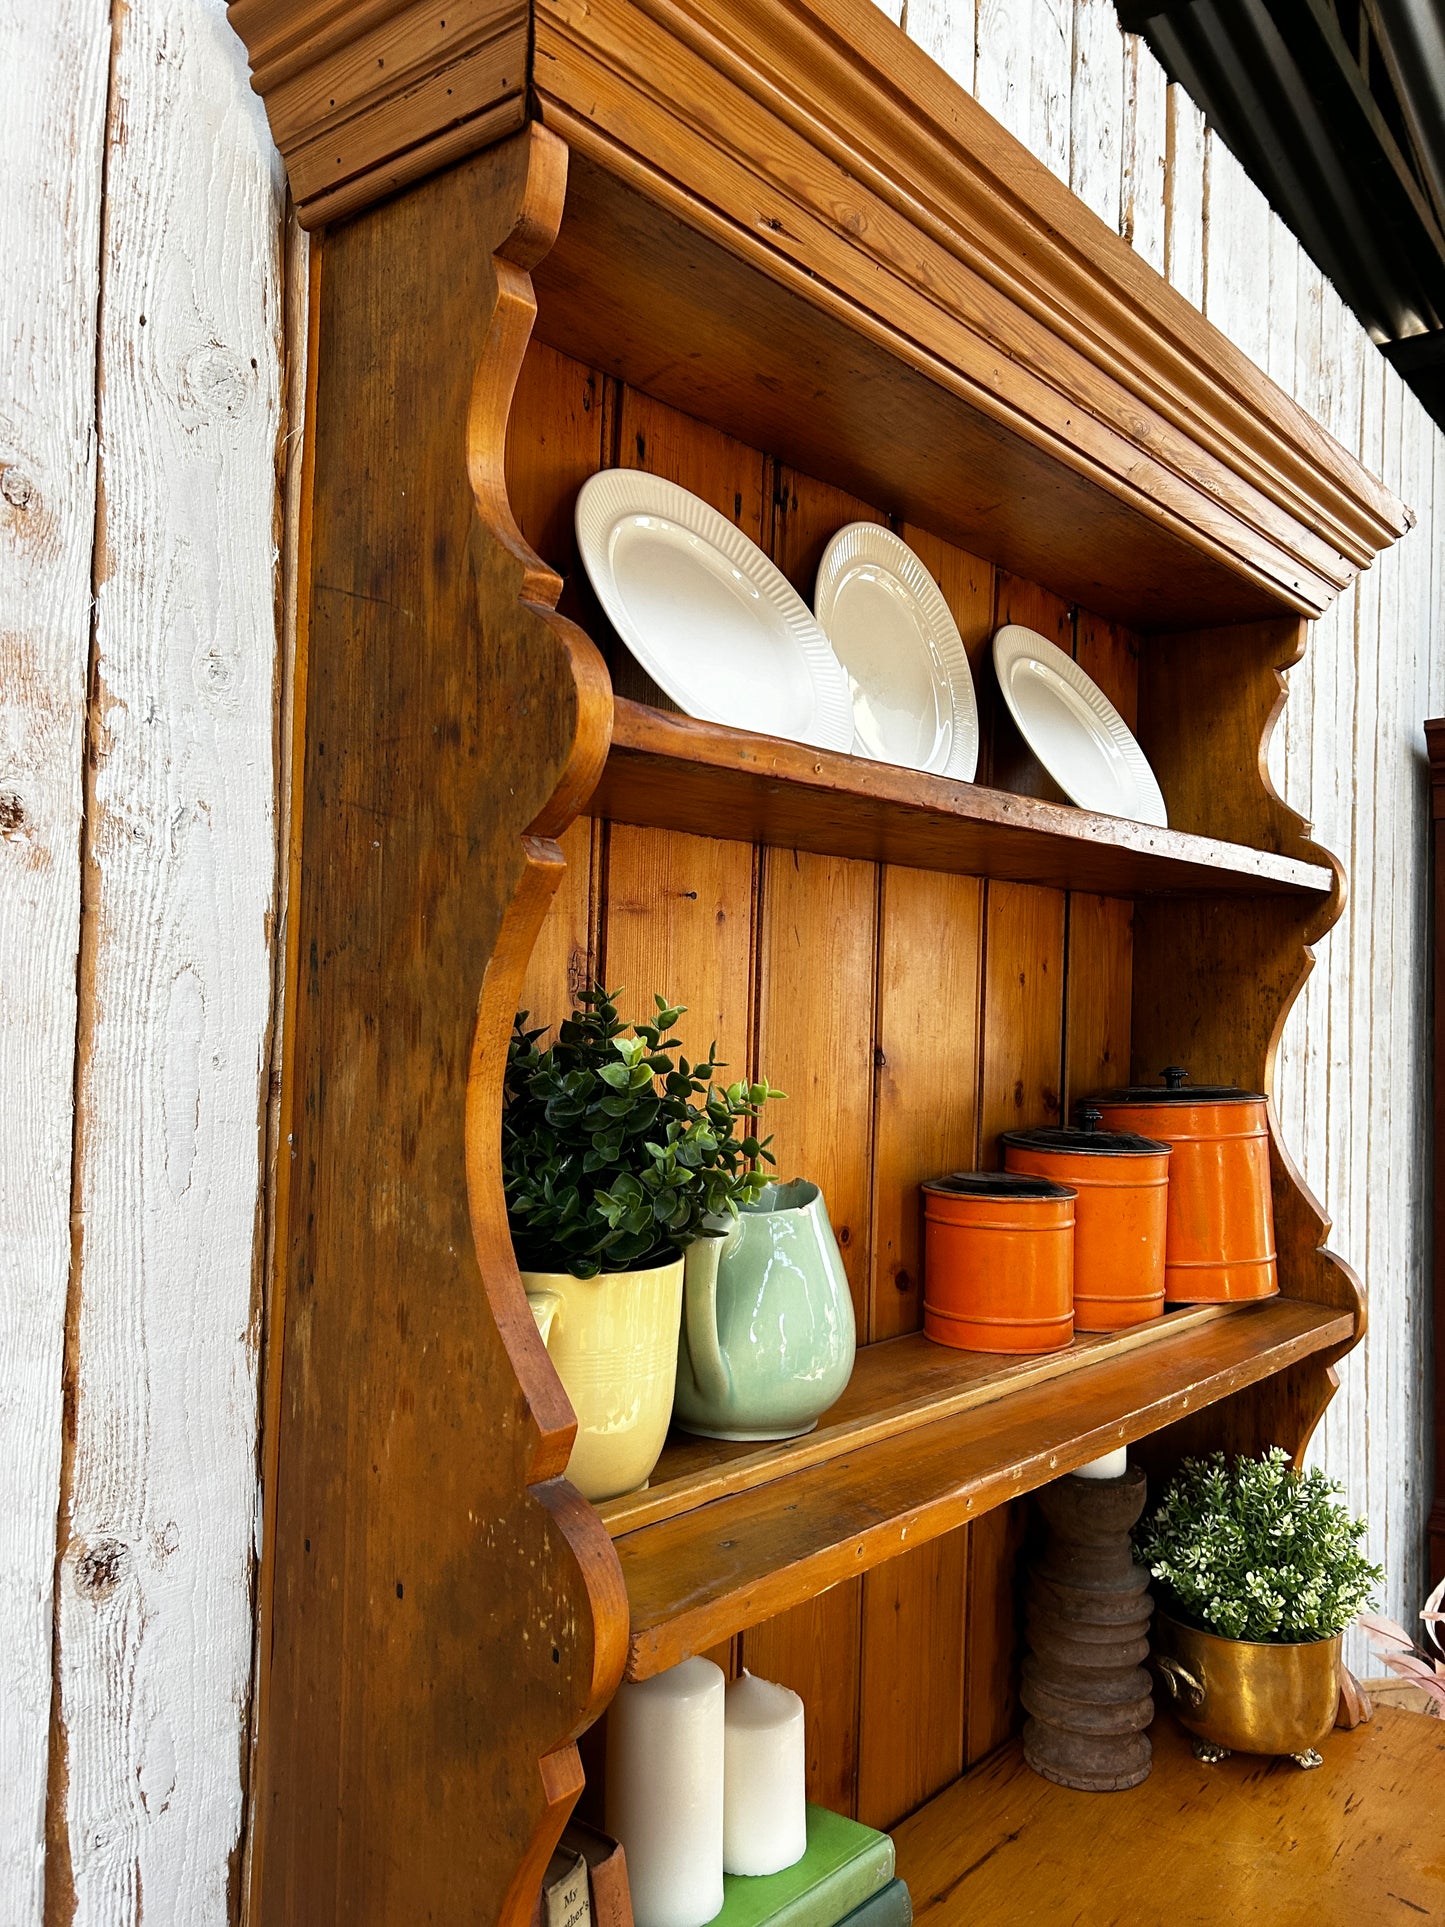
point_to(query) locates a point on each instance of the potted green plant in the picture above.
(616, 1151)
(1258, 1572)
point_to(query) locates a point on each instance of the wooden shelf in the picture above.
(1249, 1839)
(956, 1436)
(897, 1385)
(671, 772)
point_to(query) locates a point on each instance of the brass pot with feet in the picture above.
(1244, 1696)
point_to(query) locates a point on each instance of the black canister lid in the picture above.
(998, 1184)
(1086, 1139)
(1176, 1089)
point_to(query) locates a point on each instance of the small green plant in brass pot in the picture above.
(1257, 1572)
(617, 1154)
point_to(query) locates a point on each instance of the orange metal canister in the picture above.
(998, 1262)
(1219, 1246)
(1123, 1186)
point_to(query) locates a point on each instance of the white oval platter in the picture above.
(1074, 730)
(912, 689)
(705, 612)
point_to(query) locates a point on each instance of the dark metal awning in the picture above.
(1336, 108)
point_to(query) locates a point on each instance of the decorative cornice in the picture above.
(814, 139)
(366, 96)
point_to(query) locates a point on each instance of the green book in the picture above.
(891, 1906)
(845, 1864)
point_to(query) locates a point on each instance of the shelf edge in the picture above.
(726, 1479)
(670, 1637)
(644, 737)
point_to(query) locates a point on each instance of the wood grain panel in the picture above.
(814, 1649)
(910, 1713)
(925, 1106)
(1098, 996)
(727, 1655)
(679, 921)
(1023, 1012)
(967, 584)
(564, 958)
(1207, 706)
(807, 514)
(994, 1638)
(1100, 942)
(1019, 600)
(724, 471)
(1014, 766)
(818, 929)
(1109, 653)
(556, 438)
(819, 926)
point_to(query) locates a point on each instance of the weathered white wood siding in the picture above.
(1352, 1082)
(138, 443)
(51, 145)
(139, 454)
(154, 1610)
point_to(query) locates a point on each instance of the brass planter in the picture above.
(1244, 1696)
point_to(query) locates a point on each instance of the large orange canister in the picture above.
(998, 1262)
(1219, 1244)
(1123, 1186)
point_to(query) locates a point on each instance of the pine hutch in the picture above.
(767, 249)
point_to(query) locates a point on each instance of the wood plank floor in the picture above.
(1253, 1842)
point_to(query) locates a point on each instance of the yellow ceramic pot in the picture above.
(1247, 1696)
(613, 1340)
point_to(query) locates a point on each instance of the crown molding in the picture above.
(815, 140)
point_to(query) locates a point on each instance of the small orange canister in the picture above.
(1123, 1186)
(998, 1262)
(1219, 1244)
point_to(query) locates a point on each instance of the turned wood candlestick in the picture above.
(1084, 1683)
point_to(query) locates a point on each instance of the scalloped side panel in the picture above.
(447, 1614)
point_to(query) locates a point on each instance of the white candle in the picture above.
(1113, 1465)
(765, 1825)
(665, 1792)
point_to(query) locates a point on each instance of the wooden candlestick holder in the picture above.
(1084, 1685)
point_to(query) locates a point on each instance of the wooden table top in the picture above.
(1359, 1842)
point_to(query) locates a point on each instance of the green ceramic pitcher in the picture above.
(767, 1325)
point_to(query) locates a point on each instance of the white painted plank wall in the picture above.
(1352, 1080)
(155, 1577)
(51, 145)
(138, 446)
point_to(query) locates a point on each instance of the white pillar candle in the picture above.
(1113, 1465)
(765, 1826)
(665, 1792)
